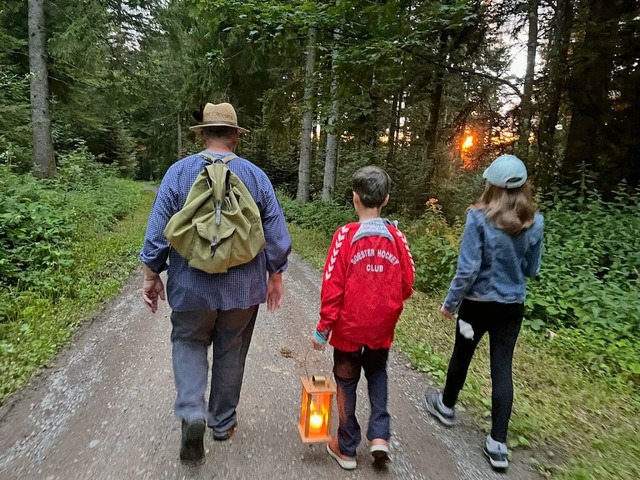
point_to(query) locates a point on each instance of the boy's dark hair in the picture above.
(372, 184)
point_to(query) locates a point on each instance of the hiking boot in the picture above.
(433, 402)
(192, 446)
(222, 437)
(497, 453)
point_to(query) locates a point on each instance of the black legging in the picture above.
(502, 321)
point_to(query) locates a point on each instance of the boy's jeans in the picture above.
(346, 369)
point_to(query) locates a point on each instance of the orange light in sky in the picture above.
(467, 143)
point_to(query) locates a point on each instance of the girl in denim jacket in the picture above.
(501, 245)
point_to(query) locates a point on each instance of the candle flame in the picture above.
(316, 421)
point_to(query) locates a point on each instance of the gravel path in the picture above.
(103, 410)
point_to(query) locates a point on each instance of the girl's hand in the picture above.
(446, 312)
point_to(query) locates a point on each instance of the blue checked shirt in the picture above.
(189, 289)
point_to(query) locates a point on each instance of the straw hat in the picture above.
(219, 115)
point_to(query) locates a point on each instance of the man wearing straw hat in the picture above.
(212, 309)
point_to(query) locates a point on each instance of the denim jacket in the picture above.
(492, 265)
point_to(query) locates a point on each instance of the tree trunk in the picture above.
(431, 135)
(527, 93)
(43, 160)
(304, 169)
(558, 72)
(589, 87)
(331, 152)
(393, 126)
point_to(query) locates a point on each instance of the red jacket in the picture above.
(368, 275)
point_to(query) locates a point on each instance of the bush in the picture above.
(15, 120)
(34, 234)
(434, 245)
(323, 216)
(589, 282)
(40, 221)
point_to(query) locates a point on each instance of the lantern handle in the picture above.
(317, 379)
(306, 372)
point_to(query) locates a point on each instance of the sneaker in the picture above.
(433, 402)
(379, 451)
(221, 437)
(347, 463)
(192, 446)
(497, 453)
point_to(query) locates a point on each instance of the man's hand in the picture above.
(275, 291)
(446, 312)
(152, 288)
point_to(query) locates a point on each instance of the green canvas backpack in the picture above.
(219, 226)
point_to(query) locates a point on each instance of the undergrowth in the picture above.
(66, 246)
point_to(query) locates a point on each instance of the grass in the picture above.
(310, 244)
(103, 262)
(571, 425)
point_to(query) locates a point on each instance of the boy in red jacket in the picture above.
(368, 275)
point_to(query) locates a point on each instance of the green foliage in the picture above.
(589, 282)
(325, 217)
(312, 245)
(15, 132)
(34, 234)
(76, 240)
(434, 245)
(41, 223)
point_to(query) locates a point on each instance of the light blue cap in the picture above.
(506, 171)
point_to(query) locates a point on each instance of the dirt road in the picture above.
(104, 409)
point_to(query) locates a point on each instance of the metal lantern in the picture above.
(315, 409)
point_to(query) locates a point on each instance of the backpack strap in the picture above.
(213, 159)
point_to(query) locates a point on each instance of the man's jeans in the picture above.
(346, 369)
(229, 332)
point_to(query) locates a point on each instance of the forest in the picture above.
(96, 97)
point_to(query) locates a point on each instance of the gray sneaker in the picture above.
(497, 453)
(433, 402)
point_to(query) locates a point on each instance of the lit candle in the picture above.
(316, 421)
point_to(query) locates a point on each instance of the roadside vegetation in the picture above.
(66, 246)
(576, 413)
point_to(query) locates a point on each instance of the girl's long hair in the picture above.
(510, 210)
